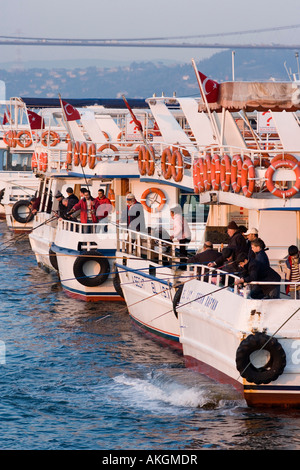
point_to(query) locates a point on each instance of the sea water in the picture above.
(79, 376)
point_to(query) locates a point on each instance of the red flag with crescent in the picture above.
(35, 120)
(210, 88)
(71, 113)
(5, 120)
(135, 120)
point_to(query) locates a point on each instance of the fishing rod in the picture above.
(20, 237)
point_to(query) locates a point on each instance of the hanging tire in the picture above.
(20, 211)
(53, 259)
(117, 285)
(84, 263)
(274, 365)
(176, 299)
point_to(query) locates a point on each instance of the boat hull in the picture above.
(215, 322)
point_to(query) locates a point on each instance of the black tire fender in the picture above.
(176, 299)
(271, 370)
(53, 259)
(81, 276)
(15, 211)
(117, 285)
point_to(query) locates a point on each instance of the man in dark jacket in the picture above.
(258, 269)
(207, 255)
(72, 198)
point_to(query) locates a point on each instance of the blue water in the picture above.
(79, 376)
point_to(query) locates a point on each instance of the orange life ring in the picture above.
(159, 193)
(198, 179)
(215, 172)
(83, 154)
(111, 197)
(77, 153)
(43, 161)
(146, 163)
(111, 147)
(225, 173)
(236, 173)
(52, 136)
(207, 172)
(92, 156)
(119, 138)
(248, 177)
(69, 153)
(177, 166)
(34, 161)
(24, 139)
(10, 138)
(291, 163)
(166, 159)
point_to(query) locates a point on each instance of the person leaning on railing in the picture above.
(292, 271)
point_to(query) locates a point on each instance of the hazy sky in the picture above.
(139, 18)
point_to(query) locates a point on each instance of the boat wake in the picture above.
(176, 389)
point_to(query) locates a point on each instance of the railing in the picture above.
(146, 246)
(95, 228)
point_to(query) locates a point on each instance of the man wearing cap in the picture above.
(237, 243)
(251, 234)
(62, 209)
(135, 214)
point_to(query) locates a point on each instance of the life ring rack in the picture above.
(159, 193)
(274, 365)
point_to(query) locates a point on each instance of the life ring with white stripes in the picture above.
(83, 154)
(248, 177)
(177, 166)
(159, 193)
(146, 163)
(166, 160)
(69, 153)
(76, 154)
(108, 147)
(52, 136)
(286, 161)
(10, 138)
(92, 156)
(198, 175)
(236, 173)
(215, 172)
(225, 173)
(24, 139)
(125, 143)
(111, 196)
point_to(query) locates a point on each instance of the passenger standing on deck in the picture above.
(292, 269)
(181, 232)
(237, 243)
(72, 198)
(103, 208)
(87, 209)
(135, 214)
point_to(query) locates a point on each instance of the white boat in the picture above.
(251, 343)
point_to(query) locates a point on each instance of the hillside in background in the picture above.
(142, 80)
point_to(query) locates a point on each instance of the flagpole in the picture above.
(65, 119)
(206, 103)
(140, 131)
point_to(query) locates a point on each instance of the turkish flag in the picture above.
(5, 120)
(71, 113)
(35, 120)
(135, 120)
(210, 88)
